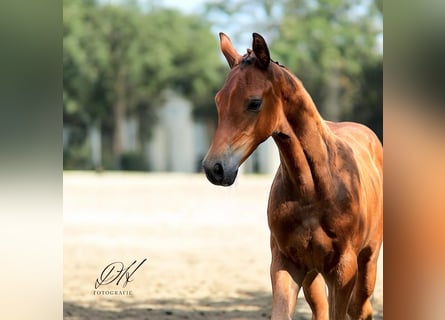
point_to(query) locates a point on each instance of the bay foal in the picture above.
(325, 209)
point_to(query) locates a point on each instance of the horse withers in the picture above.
(325, 210)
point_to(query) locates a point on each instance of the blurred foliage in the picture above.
(368, 105)
(329, 44)
(118, 60)
(379, 4)
(133, 161)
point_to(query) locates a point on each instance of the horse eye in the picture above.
(254, 105)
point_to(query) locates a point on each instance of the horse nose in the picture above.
(221, 171)
(218, 171)
(214, 172)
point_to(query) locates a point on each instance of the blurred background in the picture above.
(139, 80)
(140, 76)
(31, 94)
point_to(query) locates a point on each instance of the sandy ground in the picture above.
(207, 248)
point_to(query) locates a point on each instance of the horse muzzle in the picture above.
(221, 171)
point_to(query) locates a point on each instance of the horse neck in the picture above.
(303, 140)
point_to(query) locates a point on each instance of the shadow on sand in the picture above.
(252, 305)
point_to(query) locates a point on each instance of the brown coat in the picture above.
(325, 208)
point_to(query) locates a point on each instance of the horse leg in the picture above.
(286, 281)
(360, 307)
(341, 281)
(314, 288)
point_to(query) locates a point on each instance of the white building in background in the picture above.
(173, 146)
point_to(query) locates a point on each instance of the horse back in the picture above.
(361, 139)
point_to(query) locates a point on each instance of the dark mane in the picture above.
(248, 59)
(280, 65)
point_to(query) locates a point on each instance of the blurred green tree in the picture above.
(118, 60)
(367, 106)
(85, 56)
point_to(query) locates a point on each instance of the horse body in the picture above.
(325, 208)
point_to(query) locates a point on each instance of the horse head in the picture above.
(248, 110)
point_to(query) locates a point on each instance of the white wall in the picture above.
(173, 147)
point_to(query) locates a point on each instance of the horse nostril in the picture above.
(218, 170)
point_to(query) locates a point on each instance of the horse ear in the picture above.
(261, 51)
(232, 56)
